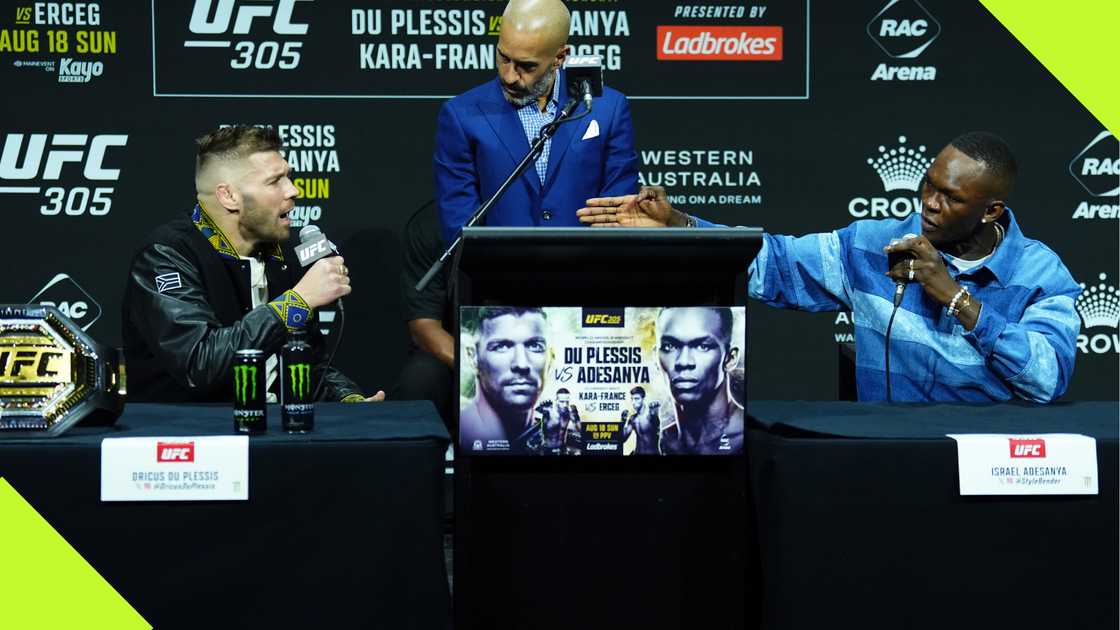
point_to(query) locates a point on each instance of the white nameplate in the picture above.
(1051, 463)
(210, 468)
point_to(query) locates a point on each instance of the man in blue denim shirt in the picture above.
(995, 319)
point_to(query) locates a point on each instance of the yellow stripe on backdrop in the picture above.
(45, 583)
(1076, 41)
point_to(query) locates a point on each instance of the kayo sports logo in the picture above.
(245, 383)
(299, 375)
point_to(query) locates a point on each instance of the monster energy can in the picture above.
(249, 392)
(297, 411)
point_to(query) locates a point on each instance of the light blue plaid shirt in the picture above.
(533, 119)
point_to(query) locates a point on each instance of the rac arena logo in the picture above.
(65, 294)
(1097, 169)
(1099, 308)
(60, 167)
(229, 24)
(903, 29)
(719, 43)
(900, 169)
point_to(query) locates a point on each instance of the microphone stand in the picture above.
(534, 152)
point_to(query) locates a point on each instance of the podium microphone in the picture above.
(583, 75)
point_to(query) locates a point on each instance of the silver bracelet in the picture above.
(952, 309)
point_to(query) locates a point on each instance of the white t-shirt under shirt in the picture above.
(258, 291)
(964, 266)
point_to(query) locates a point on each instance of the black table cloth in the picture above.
(861, 523)
(342, 528)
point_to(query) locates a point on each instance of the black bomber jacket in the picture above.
(187, 309)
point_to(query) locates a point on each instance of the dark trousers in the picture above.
(424, 377)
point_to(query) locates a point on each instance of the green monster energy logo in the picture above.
(243, 375)
(299, 377)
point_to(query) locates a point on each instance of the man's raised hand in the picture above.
(649, 208)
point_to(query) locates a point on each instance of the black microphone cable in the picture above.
(898, 299)
(900, 289)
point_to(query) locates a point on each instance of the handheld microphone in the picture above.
(584, 77)
(893, 259)
(313, 245)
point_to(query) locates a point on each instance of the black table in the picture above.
(861, 522)
(342, 529)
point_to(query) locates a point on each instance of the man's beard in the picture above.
(261, 223)
(540, 88)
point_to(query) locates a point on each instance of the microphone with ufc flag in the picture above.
(893, 258)
(584, 77)
(314, 246)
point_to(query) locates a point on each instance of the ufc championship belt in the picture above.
(53, 375)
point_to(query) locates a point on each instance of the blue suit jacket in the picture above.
(480, 140)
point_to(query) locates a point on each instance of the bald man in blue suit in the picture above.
(483, 133)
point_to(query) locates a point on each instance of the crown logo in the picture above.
(1099, 305)
(901, 168)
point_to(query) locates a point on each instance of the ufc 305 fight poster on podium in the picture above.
(601, 381)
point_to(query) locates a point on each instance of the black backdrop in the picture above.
(102, 105)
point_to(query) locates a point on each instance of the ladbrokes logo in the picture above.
(604, 318)
(245, 383)
(228, 24)
(719, 43)
(899, 168)
(903, 29)
(65, 294)
(1097, 169)
(175, 452)
(1099, 308)
(62, 159)
(1027, 447)
(299, 380)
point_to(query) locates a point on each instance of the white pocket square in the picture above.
(592, 130)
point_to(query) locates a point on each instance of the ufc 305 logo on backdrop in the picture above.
(230, 24)
(66, 169)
